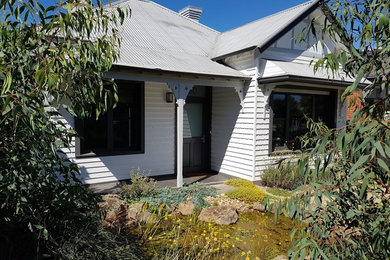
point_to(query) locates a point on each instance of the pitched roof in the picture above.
(155, 37)
(158, 38)
(261, 32)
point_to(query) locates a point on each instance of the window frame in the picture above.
(79, 126)
(333, 100)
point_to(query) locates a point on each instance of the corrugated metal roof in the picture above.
(306, 70)
(155, 37)
(258, 32)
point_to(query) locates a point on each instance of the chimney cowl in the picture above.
(191, 12)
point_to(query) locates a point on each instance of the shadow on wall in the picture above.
(224, 120)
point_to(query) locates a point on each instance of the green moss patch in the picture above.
(247, 194)
(240, 183)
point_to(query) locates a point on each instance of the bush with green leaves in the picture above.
(287, 176)
(141, 186)
(349, 217)
(51, 58)
(168, 196)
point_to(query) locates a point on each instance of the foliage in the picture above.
(279, 192)
(240, 183)
(349, 218)
(50, 59)
(92, 241)
(197, 192)
(247, 194)
(287, 176)
(140, 186)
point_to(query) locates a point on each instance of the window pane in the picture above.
(127, 117)
(95, 134)
(193, 120)
(278, 133)
(299, 106)
(279, 105)
(321, 110)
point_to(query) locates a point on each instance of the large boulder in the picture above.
(222, 215)
(136, 213)
(115, 209)
(186, 208)
(259, 207)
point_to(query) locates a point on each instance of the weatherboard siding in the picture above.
(159, 156)
(232, 141)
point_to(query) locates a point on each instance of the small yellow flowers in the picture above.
(247, 258)
(233, 245)
(257, 258)
(150, 238)
(227, 235)
(243, 253)
(166, 218)
(215, 239)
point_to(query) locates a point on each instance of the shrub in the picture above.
(247, 194)
(92, 241)
(240, 183)
(287, 176)
(141, 186)
(197, 192)
(279, 192)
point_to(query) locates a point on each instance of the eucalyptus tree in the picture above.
(349, 217)
(51, 58)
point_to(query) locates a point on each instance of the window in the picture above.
(120, 130)
(289, 111)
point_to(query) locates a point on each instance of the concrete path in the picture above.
(170, 181)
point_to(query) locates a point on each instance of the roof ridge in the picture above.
(118, 2)
(176, 13)
(271, 15)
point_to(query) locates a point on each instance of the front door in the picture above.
(196, 130)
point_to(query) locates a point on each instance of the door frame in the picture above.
(206, 101)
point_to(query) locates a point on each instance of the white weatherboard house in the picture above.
(192, 99)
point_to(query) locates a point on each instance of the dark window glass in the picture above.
(120, 129)
(289, 112)
(96, 140)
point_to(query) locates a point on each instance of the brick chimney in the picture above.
(191, 12)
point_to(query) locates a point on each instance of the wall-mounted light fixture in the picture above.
(169, 97)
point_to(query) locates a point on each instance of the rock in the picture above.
(115, 209)
(134, 211)
(259, 207)
(137, 214)
(222, 215)
(186, 208)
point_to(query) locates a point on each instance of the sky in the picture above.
(223, 15)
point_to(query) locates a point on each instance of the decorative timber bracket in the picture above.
(180, 89)
(267, 90)
(241, 91)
